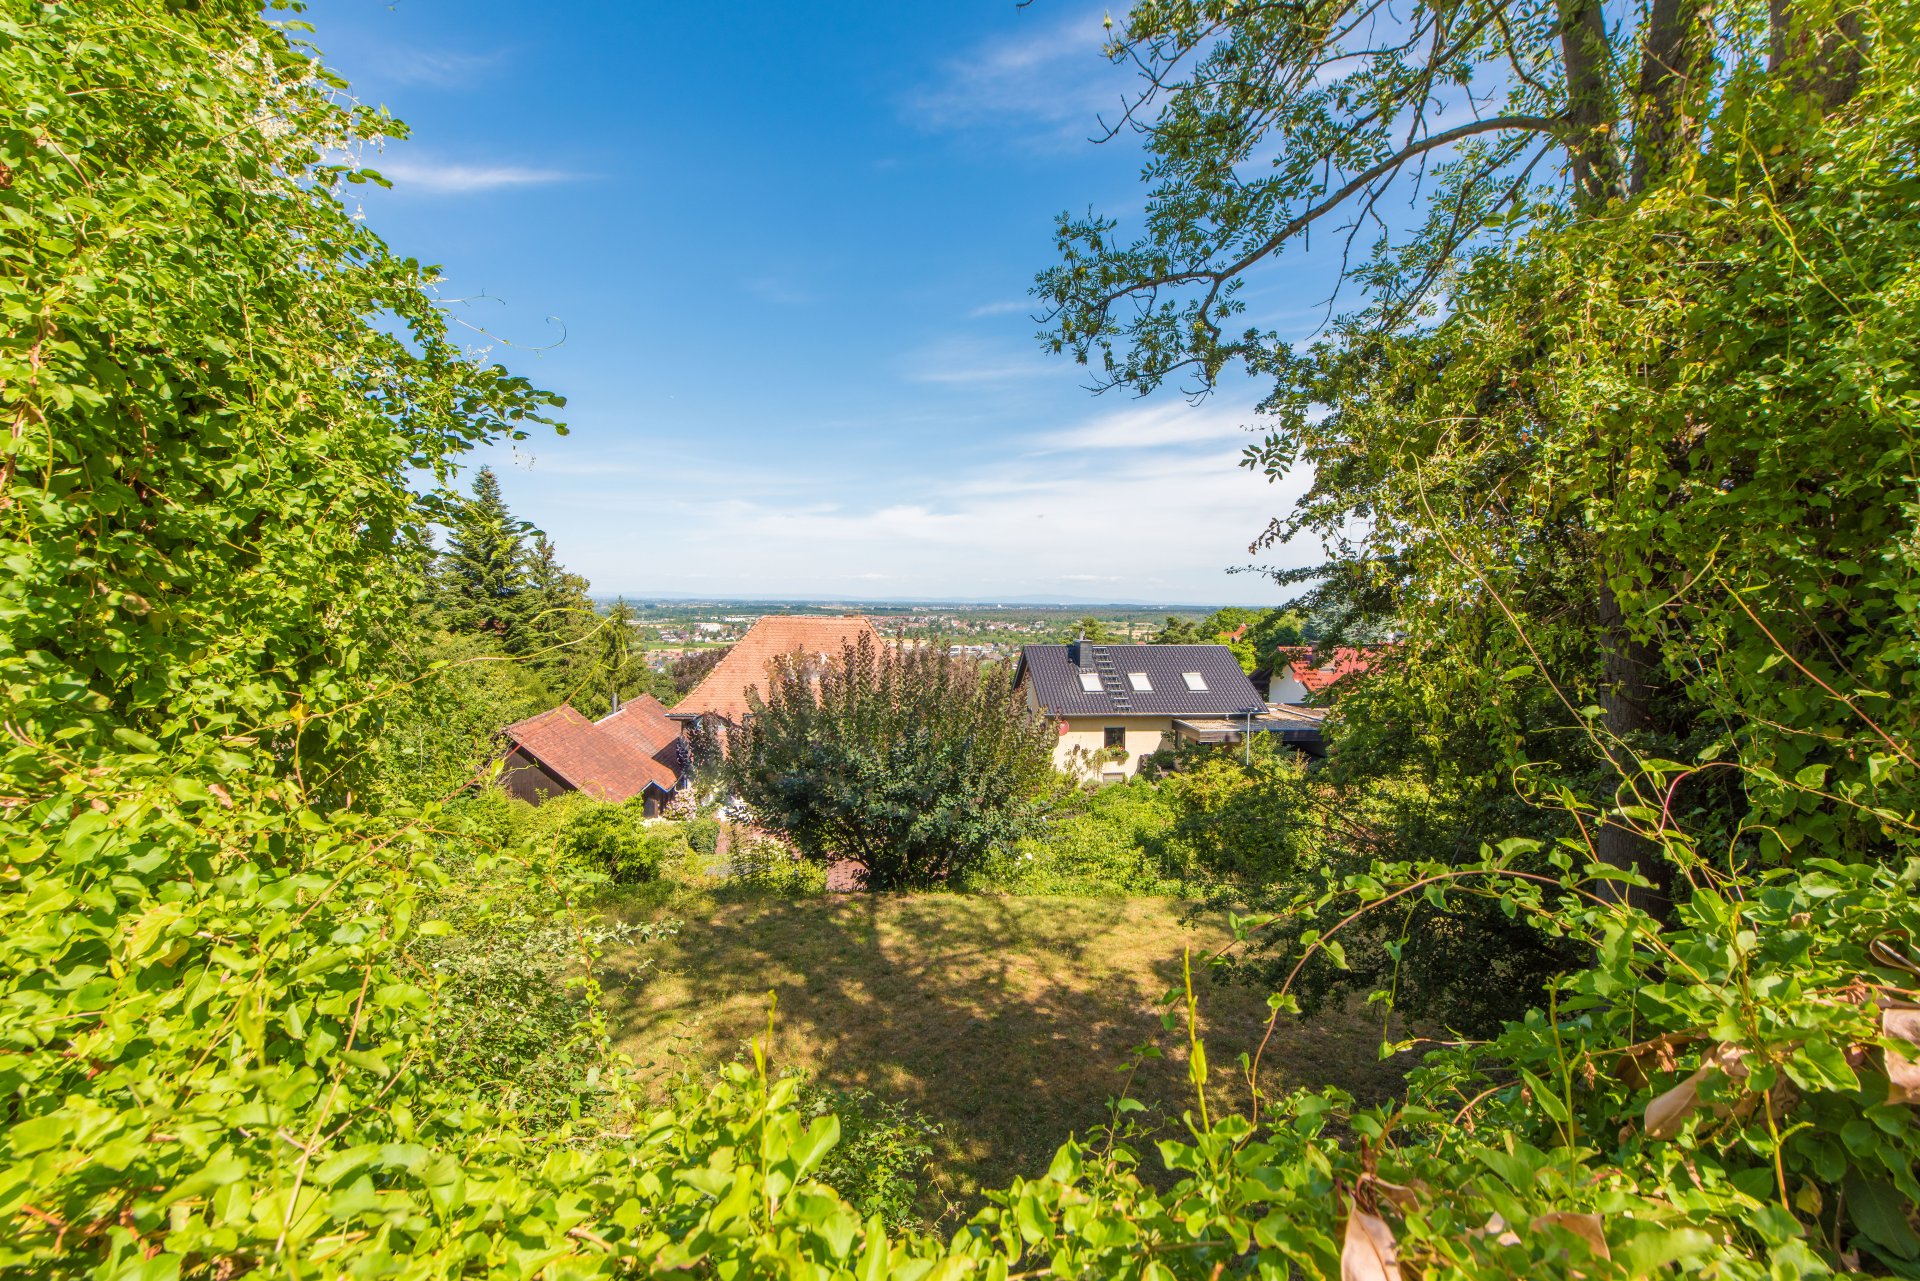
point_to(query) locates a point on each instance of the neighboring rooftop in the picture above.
(1084, 679)
(1316, 671)
(605, 764)
(724, 691)
(643, 723)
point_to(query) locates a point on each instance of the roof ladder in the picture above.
(1110, 679)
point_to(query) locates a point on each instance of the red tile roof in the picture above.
(724, 691)
(605, 764)
(1317, 671)
(643, 723)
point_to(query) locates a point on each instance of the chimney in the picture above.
(1077, 652)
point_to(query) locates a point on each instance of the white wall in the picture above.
(1284, 689)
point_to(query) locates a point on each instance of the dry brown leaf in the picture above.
(1584, 1226)
(1666, 1114)
(1368, 1253)
(1403, 1196)
(1669, 1111)
(1903, 1073)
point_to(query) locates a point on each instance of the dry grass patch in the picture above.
(1005, 1019)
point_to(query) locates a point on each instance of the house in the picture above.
(1113, 704)
(635, 751)
(722, 695)
(1299, 674)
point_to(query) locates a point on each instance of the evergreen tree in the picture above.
(556, 614)
(483, 573)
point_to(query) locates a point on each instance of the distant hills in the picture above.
(896, 603)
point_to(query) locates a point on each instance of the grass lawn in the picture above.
(1007, 1020)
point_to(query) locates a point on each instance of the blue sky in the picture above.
(776, 257)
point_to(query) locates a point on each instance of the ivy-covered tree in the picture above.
(1266, 124)
(912, 762)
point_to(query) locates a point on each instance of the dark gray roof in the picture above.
(1055, 673)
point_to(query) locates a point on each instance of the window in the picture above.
(1139, 681)
(1116, 736)
(1194, 680)
(1090, 681)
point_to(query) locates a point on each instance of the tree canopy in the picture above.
(913, 762)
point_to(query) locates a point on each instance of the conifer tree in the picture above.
(483, 573)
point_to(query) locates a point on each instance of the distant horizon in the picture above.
(852, 395)
(980, 602)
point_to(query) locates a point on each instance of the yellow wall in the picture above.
(1089, 734)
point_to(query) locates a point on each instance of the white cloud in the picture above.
(1141, 523)
(1049, 83)
(447, 179)
(1000, 309)
(439, 68)
(1148, 426)
(967, 361)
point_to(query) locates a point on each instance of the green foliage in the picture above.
(915, 763)
(618, 840)
(1259, 632)
(764, 866)
(1108, 843)
(881, 1164)
(483, 573)
(440, 728)
(703, 835)
(229, 1049)
(1242, 821)
(512, 1018)
(1210, 824)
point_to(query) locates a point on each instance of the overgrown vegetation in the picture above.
(1651, 468)
(914, 764)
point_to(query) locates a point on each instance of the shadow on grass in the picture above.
(1007, 1020)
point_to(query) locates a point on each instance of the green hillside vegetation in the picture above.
(1618, 437)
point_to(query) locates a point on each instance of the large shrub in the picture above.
(618, 840)
(915, 763)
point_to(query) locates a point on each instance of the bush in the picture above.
(913, 762)
(511, 1022)
(882, 1164)
(1108, 843)
(617, 840)
(703, 836)
(1211, 822)
(1245, 819)
(768, 866)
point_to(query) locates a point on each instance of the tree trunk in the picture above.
(1590, 101)
(1823, 61)
(1675, 66)
(1628, 674)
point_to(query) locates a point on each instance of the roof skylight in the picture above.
(1139, 681)
(1090, 681)
(1194, 680)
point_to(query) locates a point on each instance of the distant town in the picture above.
(670, 629)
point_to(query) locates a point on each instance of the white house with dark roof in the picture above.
(1113, 704)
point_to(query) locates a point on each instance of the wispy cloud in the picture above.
(776, 290)
(972, 362)
(439, 178)
(1129, 523)
(1007, 308)
(1048, 84)
(1148, 427)
(437, 68)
